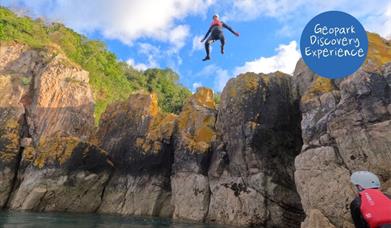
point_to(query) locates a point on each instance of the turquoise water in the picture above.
(60, 220)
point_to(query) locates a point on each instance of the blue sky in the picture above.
(166, 33)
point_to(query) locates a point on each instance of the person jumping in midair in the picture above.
(216, 30)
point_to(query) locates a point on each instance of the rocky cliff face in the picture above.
(190, 167)
(46, 115)
(193, 149)
(277, 150)
(11, 123)
(252, 168)
(138, 138)
(345, 128)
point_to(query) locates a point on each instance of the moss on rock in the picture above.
(196, 121)
(318, 87)
(379, 51)
(58, 151)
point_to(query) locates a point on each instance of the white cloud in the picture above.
(137, 66)
(197, 45)
(151, 53)
(129, 20)
(246, 10)
(222, 77)
(120, 19)
(196, 85)
(178, 36)
(152, 56)
(285, 60)
(375, 15)
(380, 23)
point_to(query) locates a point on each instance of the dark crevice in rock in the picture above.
(15, 177)
(170, 150)
(286, 207)
(40, 205)
(22, 134)
(104, 189)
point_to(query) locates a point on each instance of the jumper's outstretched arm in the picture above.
(230, 29)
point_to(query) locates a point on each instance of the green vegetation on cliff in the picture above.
(110, 79)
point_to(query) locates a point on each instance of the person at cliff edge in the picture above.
(216, 31)
(371, 208)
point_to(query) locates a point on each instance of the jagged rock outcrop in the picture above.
(48, 112)
(138, 138)
(346, 127)
(251, 175)
(193, 148)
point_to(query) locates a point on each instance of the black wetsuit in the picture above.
(357, 217)
(217, 33)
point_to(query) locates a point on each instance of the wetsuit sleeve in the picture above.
(207, 33)
(358, 219)
(228, 27)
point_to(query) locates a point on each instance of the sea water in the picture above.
(11, 219)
